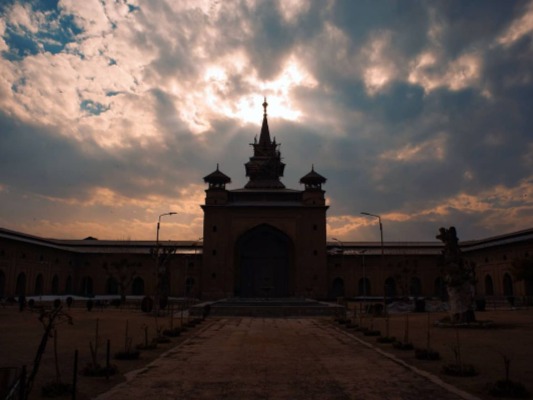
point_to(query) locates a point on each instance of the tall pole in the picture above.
(159, 271)
(341, 245)
(382, 262)
(362, 254)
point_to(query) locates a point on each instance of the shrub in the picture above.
(172, 332)
(97, 370)
(507, 388)
(462, 370)
(427, 354)
(386, 339)
(56, 389)
(402, 346)
(127, 355)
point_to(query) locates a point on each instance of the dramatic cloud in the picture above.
(113, 111)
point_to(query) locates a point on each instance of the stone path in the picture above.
(254, 358)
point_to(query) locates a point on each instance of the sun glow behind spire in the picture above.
(246, 108)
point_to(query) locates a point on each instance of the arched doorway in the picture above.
(489, 286)
(263, 261)
(111, 286)
(55, 285)
(87, 286)
(337, 288)
(68, 285)
(415, 287)
(390, 288)
(189, 285)
(39, 285)
(137, 287)
(364, 287)
(507, 285)
(20, 289)
(440, 290)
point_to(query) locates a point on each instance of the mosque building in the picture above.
(262, 240)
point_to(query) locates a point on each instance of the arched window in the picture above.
(507, 285)
(415, 287)
(55, 285)
(39, 285)
(337, 288)
(137, 287)
(20, 289)
(2, 284)
(390, 287)
(439, 289)
(111, 286)
(87, 286)
(364, 287)
(489, 286)
(68, 285)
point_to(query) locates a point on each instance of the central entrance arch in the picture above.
(264, 257)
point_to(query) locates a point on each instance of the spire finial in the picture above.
(217, 166)
(265, 105)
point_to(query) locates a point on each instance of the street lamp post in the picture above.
(341, 247)
(362, 254)
(382, 254)
(159, 269)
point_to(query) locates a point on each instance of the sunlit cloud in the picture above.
(519, 28)
(456, 75)
(246, 108)
(341, 226)
(433, 149)
(380, 69)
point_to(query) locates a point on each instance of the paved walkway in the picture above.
(247, 358)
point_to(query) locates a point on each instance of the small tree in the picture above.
(460, 277)
(405, 273)
(161, 255)
(123, 272)
(50, 320)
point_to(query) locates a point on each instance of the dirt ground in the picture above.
(511, 336)
(21, 332)
(243, 358)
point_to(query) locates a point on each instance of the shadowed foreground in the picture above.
(247, 358)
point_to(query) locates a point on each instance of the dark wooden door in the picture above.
(264, 263)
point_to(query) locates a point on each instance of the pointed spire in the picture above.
(265, 105)
(264, 138)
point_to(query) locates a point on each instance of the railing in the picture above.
(503, 302)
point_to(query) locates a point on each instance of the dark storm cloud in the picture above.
(467, 25)
(361, 19)
(34, 159)
(37, 160)
(391, 134)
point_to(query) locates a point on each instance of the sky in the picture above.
(112, 112)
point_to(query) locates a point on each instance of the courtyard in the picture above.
(272, 358)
